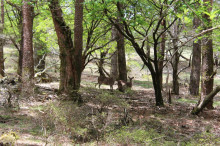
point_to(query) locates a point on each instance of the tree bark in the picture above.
(161, 53)
(196, 62)
(114, 65)
(207, 59)
(71, 58)
(65, 44)
(175, 61)
(114, 59)
(20, 51)
(78, 43)
(206, 101)
(122, 68)
(157, 89)
(2, 41)
(28, 62)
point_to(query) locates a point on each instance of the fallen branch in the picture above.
(205, 102)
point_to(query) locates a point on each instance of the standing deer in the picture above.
(123, 85)
(106, 80)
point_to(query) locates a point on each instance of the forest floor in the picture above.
(169, 125)
(106, 118)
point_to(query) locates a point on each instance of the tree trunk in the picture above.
(71, 58)
(78, 43)
(205, 102)
(2, 41)
(28, 62)
(175, 71)
(175, 62)
(161, 53)
(157, 89)
(114, 59)
(122, 68)
(20, 51)
(66, 46)
(196, 63)
(207, 60)
(121, 59)
(114, 65)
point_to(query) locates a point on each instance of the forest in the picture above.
(109, 72)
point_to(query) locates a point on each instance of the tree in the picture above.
(207, 57)
(73, 57)
(66, 48)
(196, 61)
(16, 36)
(28, 61)
(161, 52)
(133, 29)
(2, 41)
(175, 60)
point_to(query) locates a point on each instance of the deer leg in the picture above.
(111, 87)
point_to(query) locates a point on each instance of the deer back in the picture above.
(106, 80)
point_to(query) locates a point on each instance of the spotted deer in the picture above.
(106, 81)
(123, 85)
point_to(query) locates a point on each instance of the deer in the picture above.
(123, 85)
(106, 80)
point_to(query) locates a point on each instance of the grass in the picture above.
(189, 101)
(195, 101)
(144, 84)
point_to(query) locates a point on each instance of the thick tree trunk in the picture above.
(66, 46)
(122, 68)
(2, 41)
(175, 61)
(71, 58)
(207, 60)
(78, 43)
(114, 59)
(157, 89)
(28, 62)
(205, 102)
(196, 63)
(121, 58)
